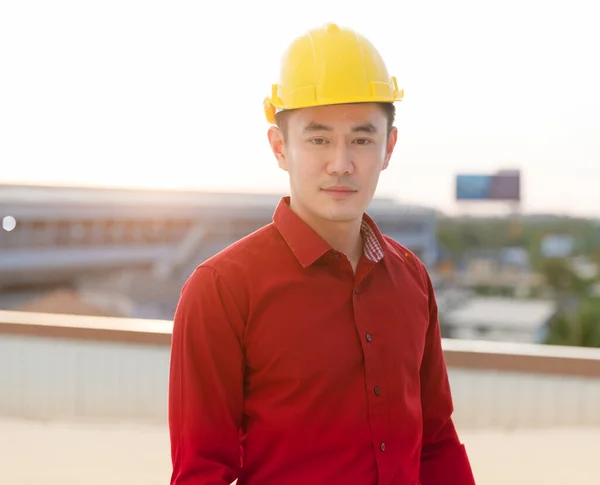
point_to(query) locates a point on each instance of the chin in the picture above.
(340, 213)
(334, 210)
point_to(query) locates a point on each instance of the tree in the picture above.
(560, 276)
(581, 329)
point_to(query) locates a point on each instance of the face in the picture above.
(334, 156)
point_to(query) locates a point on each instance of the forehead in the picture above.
(341, 116)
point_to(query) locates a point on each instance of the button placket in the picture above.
(373, 365)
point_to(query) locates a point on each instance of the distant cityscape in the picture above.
(119, 252)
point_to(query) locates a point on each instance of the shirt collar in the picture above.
(308, 246)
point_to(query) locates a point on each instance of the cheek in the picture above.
(304, 164)
(370, 160)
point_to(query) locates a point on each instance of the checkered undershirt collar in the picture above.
(372, 249)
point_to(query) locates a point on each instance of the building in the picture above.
(499, 319)
(143, 244)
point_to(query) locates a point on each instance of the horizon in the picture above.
(479, 209)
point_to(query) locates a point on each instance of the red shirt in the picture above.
(289, 369)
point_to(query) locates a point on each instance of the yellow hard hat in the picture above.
(331, 65)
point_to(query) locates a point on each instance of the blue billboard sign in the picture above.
(469, 187)
(501, 186)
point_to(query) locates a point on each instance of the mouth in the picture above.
(339, 191)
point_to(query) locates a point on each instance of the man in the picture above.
(309, 352)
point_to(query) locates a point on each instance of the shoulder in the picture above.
(233, 267)
(247, 252)
(408, 261)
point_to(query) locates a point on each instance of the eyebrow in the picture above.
(364, 128)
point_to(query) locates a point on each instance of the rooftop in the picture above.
(96, 451)
(86, 397)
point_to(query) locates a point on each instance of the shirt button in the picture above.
(377, 390)
(336, 255)
(357, 290)
(369, 338)
(382, 446)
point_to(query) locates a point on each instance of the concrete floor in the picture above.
(53, 453)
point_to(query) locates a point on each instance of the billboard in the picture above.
(504, 186)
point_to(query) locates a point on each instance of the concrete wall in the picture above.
(62, 378)
(53, 377)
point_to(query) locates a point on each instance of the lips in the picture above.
(339, 191)
(339, 188)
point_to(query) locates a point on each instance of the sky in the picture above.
(169, 94)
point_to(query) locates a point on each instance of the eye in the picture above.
(362, 141)
(318, 141)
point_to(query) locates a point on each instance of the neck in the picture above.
(344, 237)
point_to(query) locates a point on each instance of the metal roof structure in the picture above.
(27, 201)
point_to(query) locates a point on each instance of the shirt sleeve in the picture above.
(443, 456)
(206, 383)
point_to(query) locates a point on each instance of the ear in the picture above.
(391, 143)
(277, 146)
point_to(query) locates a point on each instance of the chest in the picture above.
(323, 327)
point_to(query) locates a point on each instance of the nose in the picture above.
(340, 161)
